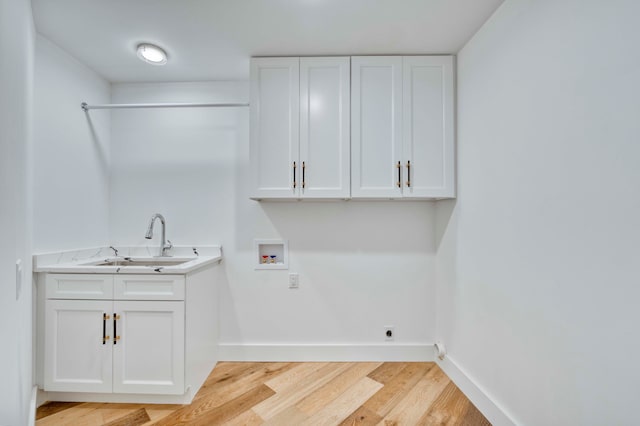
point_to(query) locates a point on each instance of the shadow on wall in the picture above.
(352, 226)
(101, 151)
(444, 214)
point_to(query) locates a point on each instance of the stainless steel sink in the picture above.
(143, 262)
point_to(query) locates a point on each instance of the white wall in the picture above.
(538, 259)
(16, 85)
(71, 153)
(362, 265)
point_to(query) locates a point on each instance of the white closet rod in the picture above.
(87, 107)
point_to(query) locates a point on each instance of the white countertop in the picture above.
(87, 261)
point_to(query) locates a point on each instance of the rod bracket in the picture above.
(84, 106)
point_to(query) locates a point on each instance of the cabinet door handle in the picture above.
(409, 173)
(294, 175)
(115, 333)
(303, 169)
(399, 167)
(105, 317)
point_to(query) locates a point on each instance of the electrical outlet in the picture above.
(294, 280)
(389, 332)
(18, 278)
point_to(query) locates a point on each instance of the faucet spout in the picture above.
(165, 244)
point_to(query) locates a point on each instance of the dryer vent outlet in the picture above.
(440, 350)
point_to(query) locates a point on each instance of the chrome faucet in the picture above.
(165, 244)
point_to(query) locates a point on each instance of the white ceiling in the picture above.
(213, 39)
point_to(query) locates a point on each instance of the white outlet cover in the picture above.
(18, 278)
(393, 333)
(294, 280)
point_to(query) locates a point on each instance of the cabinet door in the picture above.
(275, 111)
(324, 127)
(148, 357)
(428, 164)
(376, 126)
(76, 357)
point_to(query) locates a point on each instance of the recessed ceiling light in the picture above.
(152, 54)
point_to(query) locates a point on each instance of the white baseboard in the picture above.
(41, 397)
(31, 421)
(120, 398)
(325, 353)
(478, 396)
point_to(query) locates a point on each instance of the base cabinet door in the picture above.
(148, 352)
(77, 353)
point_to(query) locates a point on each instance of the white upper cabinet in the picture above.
(428, 127)
(275, 111)
(376, 116)
(324, 127)
(300, 128)
(377, 127)
(402, 127)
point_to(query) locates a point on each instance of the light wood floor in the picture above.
(275, 393)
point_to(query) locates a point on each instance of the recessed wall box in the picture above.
(271, 254)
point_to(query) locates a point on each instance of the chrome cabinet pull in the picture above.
(409, 173)
(294, 174)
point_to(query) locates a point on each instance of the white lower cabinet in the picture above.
(77, 359)
(115, 346)
(149, 356)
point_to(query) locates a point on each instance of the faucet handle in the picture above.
(167, 246)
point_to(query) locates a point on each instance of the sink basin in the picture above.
(143, 262)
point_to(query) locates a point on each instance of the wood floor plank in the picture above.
(67, 417)
(224, 391)
(248, 418)
(110, 412)
(294, 393)
(156, 413)
(135, 418)
(54, 407)
(238, 393)
(397, 387)
(411, 408)
(289, 416)
(448, 409)
(362, 417)
(473, 417)
(386, 371)
(299, 372)
(241, 373)
(341, 407)
(229, 390)
(316, 400)
(218, 414)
